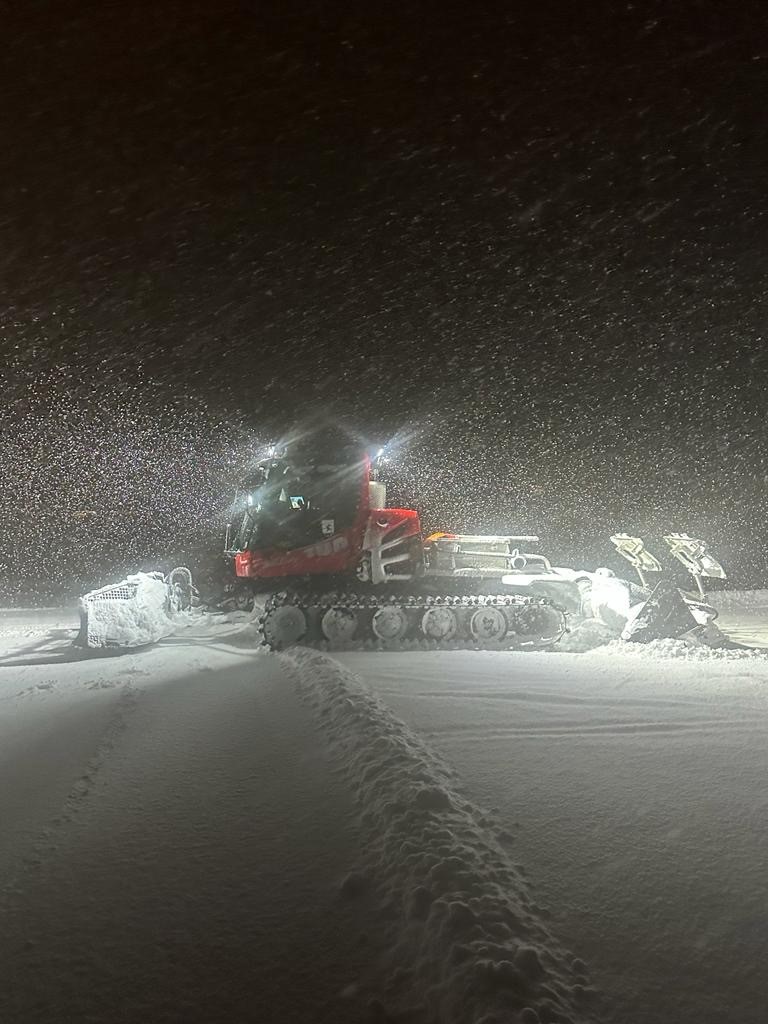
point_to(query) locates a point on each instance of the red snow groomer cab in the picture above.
(324, 519)
(314, 537)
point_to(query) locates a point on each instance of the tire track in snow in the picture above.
(48, 837)
(199, 876)
(116, 725)
(468, 942)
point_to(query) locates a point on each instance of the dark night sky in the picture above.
(530, 237)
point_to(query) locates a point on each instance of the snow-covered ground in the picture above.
(201, 831)
(174, 844)
(634, 789)
(744, 615)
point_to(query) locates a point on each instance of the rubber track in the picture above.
(514, 607)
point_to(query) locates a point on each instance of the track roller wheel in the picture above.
(439, 623)
(390, 622)
(283, 626)
(538, 622)
(339, 625)
(488, 625)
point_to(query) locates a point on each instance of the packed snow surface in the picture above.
(470, 944)
(174, 842)
(204, 831)
(634, 788)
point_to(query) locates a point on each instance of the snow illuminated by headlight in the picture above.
(100, 479)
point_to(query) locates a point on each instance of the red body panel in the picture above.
(383, 520)
(337, 554)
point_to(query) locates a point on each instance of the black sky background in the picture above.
(526, 240)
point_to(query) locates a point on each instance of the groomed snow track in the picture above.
(468, 943)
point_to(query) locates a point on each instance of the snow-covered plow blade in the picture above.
(140, 610)
(665, 615)
(667, 612)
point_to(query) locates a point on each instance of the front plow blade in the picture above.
(664, 615)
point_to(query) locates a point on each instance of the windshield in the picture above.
(289, 505)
